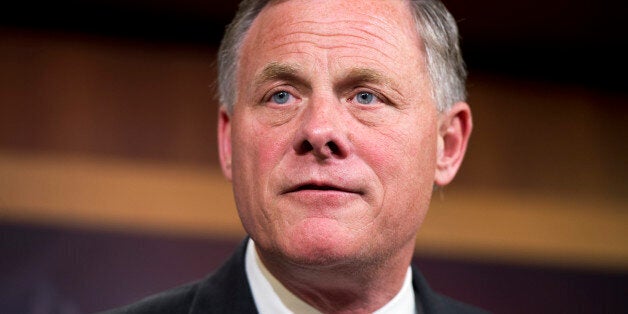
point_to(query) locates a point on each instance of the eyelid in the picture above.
(276, 89)
(381, 98)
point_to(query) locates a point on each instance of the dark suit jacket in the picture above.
(228, 291)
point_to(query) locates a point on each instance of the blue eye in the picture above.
(365, 98)
(281, 97)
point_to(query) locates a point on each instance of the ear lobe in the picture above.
(455, 127)
(224, 142)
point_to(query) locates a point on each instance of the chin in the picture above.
(321, 242)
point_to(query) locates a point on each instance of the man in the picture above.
(337, 119)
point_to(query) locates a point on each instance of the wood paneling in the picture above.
(107, 97)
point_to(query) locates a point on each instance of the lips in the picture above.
(320, 186)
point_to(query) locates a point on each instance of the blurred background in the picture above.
(110, 188)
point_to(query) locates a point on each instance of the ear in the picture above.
(453, 135)
(224, 141)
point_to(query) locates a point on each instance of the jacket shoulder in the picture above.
(443, 304)
(431, 302)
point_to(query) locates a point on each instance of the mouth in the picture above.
(321, 187)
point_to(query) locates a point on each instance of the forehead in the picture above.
(332, 11)
(380, 33)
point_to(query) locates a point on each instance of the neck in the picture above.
(346, 288)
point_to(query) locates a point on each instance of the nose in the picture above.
(322, 132)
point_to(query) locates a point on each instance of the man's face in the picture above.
(332, 143)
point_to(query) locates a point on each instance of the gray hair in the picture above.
(435, 25)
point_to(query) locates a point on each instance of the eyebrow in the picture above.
(279, 71)
(355, 76)
(358, 76)
(365, 75)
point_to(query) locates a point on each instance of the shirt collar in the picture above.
(271, 296)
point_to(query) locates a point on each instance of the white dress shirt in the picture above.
(271, 297)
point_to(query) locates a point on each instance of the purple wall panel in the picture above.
(68, 271)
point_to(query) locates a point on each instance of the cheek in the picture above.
(257, 150)
(402, 154)
(404, 159)
(270, 147)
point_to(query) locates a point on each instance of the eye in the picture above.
(281, 97)
(365, 98)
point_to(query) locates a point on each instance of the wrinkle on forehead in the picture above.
(336, 37)
(384, 22)
(363, 30)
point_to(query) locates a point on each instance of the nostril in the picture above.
(321, 151)
(333, 147)
(306, 146)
